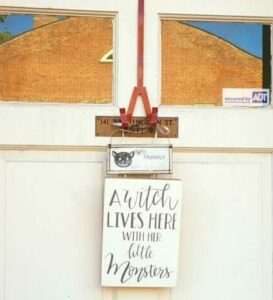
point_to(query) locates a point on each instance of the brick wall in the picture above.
(197, 65)
(42, 20)
(59, 63)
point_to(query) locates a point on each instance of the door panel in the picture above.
(51, 204)
(226, 207)
(53, 229)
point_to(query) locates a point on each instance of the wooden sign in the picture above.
(141, 224)
(136, 159)
(139, 127)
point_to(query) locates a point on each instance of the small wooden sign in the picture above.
(139, 127)
(141, 223)
(139, 159)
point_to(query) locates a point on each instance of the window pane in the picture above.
(55, 59)
(199, 59)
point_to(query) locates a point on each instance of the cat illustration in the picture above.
(123, 159)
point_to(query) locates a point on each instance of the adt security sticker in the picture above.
(245, 97)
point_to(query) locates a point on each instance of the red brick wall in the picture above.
(197, 65)
(59, 63)
(43, 20)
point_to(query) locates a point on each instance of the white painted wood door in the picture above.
(52, 169)
(51, 227)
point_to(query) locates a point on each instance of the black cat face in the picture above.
(123, 159)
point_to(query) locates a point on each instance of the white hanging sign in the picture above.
(141, 224)
(135, 159)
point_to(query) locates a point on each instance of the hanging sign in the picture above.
(144, 159)
(141, 224)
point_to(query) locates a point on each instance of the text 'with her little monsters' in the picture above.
(141, 232)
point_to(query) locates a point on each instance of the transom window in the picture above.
(200, 59)
(55, 59)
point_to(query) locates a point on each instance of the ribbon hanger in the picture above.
(139, 90)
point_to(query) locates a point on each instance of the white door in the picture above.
(52, 170)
